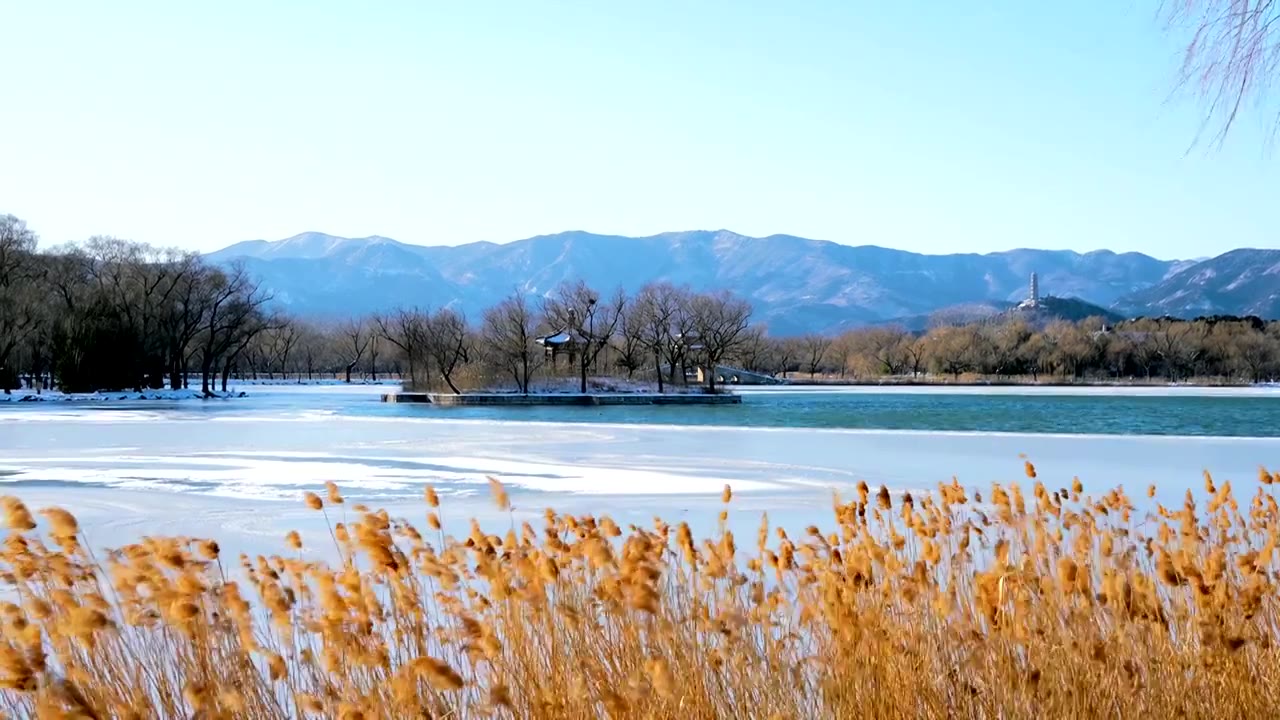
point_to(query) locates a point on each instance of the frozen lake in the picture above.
(235, 469)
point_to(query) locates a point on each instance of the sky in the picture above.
(926, 126)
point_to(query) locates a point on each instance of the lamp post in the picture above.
(573, 329)
(586, 341)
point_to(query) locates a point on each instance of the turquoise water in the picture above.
(1245, 414)
(1253, 416)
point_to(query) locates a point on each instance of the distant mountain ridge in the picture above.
(1239, 282)
(796, 284)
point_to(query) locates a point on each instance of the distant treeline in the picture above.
(1018, 345)
(115, 315)
(111, 315)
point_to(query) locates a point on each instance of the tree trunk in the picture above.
(206, 367)
(657, 357)
(350, 367)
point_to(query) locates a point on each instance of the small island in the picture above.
(578, 399)
(569, 350)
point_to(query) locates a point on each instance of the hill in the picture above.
(1075, 310)
(1050, 309)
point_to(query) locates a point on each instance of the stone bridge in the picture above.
(726, 375)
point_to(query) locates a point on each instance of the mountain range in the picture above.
(795, 284)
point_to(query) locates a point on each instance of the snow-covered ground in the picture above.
(314, 382)
(236, 471)
(26, 396)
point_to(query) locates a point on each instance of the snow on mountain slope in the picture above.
(796, 284)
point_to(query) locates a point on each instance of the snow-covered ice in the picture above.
(163, 394)
(238, 474)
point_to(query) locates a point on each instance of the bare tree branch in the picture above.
(1232, 56)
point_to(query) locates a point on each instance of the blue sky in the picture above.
(927, 126)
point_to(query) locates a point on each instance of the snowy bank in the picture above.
(27, 396)
(314, 382)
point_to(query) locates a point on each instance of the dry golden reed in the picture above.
(499, 494)
(1038, 602)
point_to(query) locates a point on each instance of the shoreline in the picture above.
(104, 396)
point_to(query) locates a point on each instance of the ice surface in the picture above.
(238, 473)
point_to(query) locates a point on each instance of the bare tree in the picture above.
(17, 245)
(1254, 353)
(375, 351)
(952, 348)
(578, 309)
(447, 344)
(181, 318)
(1178, 345)
(355, 336)
(147, 294)
(630, 344)
(916, 352)
(508, 332)
(247, 333)
(683, 337)
(785, 354)
(721, 322)
(889, 346)
(281, 340)
(841, 351)
(814, 347)
(70, 326)
(314, 346)
(660, 313)
(1232, 54)
(233, 304)
(1004, 343)
(1072, 347)
(406, 329)
(18, 307)
(1033, 354)
(756, 352)
(1143, 347)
